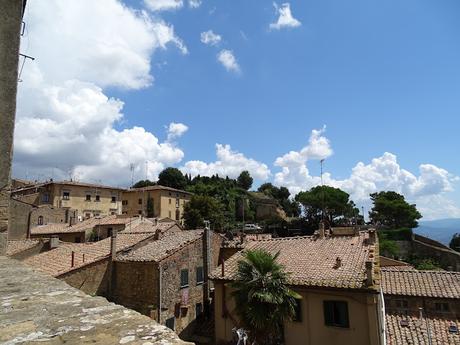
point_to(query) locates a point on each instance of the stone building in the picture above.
(166, 279)
(90, 200)
(338, 279)
(155, 201)
(422, 307)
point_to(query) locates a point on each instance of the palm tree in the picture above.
(263, 298)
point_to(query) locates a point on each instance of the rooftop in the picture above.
(159, 249)
(312, 261)
(59, 261)
(17, 246)
(158, 187)
(440, 284)
(410, 329)
(38, 308)
(67, 183)
(149, 227)
(60, 228)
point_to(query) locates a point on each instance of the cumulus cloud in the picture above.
(64, 118)
(194, 3)
(163, 5)
(382, 173)
(285, 18)
(176, 130)
(228, 60)
(210, 38)
(229, 163)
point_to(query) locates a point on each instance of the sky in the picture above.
(122, 89)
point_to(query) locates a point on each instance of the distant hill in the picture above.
(440, 230)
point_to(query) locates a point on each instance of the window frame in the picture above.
(182, 282)
(441, 307)
(331, 318)
(113, 199)
(199, 269)
(97, 198)
(65, 195)
(88, 197)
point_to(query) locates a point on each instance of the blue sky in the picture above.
(382, 76)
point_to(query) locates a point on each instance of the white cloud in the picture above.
(285, 19)
(228, 60)
(209, 37)
(64, 118)
(229, 163)
(163, 5)
(176, 130)
(194, 3)
(382, 173)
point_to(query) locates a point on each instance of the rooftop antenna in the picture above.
(322, 191)
(25, 57)
(131, 167)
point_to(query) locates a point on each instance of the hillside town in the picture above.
(187, 259)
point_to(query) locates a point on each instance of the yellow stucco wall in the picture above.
(311, 330)
(164, 203)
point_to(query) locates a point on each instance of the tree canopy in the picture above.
(338, 208)
(393, 211)
(455, 242)
(245, 180)
(201, 208)
(172, 177)
(263, 298)
(143, 183)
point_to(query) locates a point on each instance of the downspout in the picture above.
(159, 292)
(382, 319)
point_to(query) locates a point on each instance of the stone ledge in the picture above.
(36, 307)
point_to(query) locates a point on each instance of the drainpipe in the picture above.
(206, 265)
(113, 256)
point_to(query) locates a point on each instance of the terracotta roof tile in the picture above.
(147, 226)
(311, 261)
(442, 284)
(161, 248)
(58, 261)
(415, 331)
(17, 246)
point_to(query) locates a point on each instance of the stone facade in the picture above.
(92, 279)
(10, 26)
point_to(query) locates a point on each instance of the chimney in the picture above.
(54, 242)
(322, 230)
(338, 262)
(155, 221)
(369, 273)
(372, 236)
(113, 245)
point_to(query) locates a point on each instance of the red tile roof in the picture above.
(147, 226)
(58, 261)
(159, 249)
(441, 284)
(158, 187)
(416, 330)
(311, 261)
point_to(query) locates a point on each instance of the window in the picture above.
(336, 314)
(114, 199)
(98, 198)
(177, 215)
(198, 309)
(298, 311)
(170, 323)
(77, 239)
(177, 202)
(65, 195)
(441, 307)
(170, 201)
(40, 220)
(139, 212)
(46, 197)
(88, 197)
(124, 202)
(402, 304)
(184, 278)
(139, 201)
(199, 275)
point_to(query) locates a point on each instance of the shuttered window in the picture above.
(336, 314)
(184, 278)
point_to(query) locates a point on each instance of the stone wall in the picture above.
(92, 279)
(136, 286)
(447, 258)
(10, 26)
(19, 220)
(51, 214)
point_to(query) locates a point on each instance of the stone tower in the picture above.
(10, 28)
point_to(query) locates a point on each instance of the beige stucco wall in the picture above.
(362, 308)
(164, 203)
